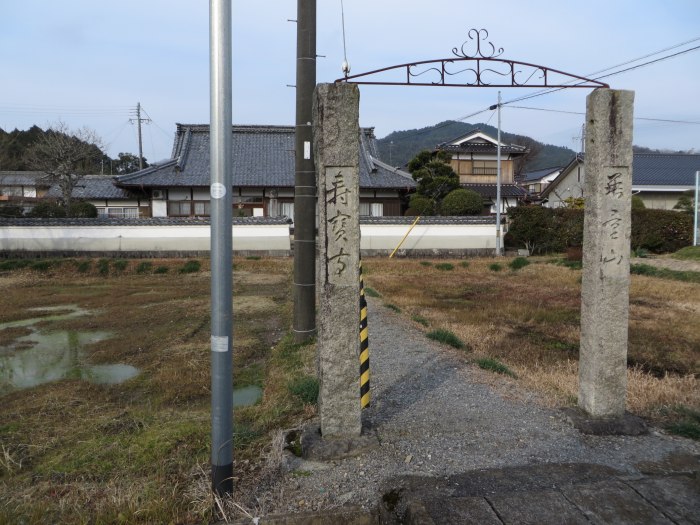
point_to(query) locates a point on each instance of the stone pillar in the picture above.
(606, 252)
(336, 141)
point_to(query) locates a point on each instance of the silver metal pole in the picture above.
(220, 151)
(498, 181)
(695, 223)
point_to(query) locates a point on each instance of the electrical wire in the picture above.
(672, 121)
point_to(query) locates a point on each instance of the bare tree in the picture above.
(66, 156)
(534, 148)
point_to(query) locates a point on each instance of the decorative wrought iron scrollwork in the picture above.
(484, 69)
(477, 35)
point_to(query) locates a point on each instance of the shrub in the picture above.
(661, 231)
(42, 266)
(103, 266)
(462, 202)
(464, 264)
(161, 269)
(446, 337)
(144, 267)
(553, 230)
(638, 203)
(518, 262)
(14, 264)
(82, 209)
(84, 266)
(420, 205)
(120, 264)
(495, 267)
(47, 210)
(11, 211)
(426, 263)
(531, 227)
(191, 267)
(445, 267)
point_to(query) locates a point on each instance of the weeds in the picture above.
(494, 365)
(84, 266)
(689, 253)
(144, 267)
(447, 337)
(14, 264)
(191, 267)
(518, 263)
(421, 320)
(371, 292)
(103, 267)
(689, 424)
(445, 267)
(495, 267)
(426, 263)
(120, 264)
(305, 388)
(161, 270)
(665, 273)
(393, 307)
(464, 264)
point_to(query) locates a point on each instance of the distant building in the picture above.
(474, 159)
(658, 178)
(23, 188)
(534, 182)
(263, 176)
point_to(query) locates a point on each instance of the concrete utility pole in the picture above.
(304, 323)
(220, 151)
(138, 121)
(498, 178)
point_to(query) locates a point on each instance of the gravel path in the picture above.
(436, 415)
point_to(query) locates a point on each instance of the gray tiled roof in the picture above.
(461, 219)
(94, 187)
(24, 178)
(156, 221)
(490, 190)
(263, 156)
(534, 175)
(479, 147)
(664, 169)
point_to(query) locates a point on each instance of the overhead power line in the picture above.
(673, 121)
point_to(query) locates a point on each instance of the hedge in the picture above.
(544, 230)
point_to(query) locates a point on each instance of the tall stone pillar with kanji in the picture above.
(337, 155)
(606, 253)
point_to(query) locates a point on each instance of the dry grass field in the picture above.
(73, 450)
(526, 321)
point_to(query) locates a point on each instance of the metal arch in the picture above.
(484, 69)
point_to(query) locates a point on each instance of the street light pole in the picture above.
(220, 152)
(498, 178)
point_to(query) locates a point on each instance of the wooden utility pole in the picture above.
(138, 121)
(304, 323)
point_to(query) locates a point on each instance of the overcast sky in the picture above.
(89, 62)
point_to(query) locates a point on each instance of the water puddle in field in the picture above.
(37, 355)
(246, 396)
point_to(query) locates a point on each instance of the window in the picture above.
(485, 167)
(364, 209)
(287, 208)
(377, 209)
(119, 212)
(179, 208)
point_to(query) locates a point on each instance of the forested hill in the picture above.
(406, 144)
(15, 146)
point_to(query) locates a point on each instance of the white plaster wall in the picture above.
(428, 237)
(139, 238)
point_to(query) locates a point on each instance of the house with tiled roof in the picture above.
(23, 188)
(475, 160)
(263, 175)
(535, 181)
(110, 200)
(658, 178)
